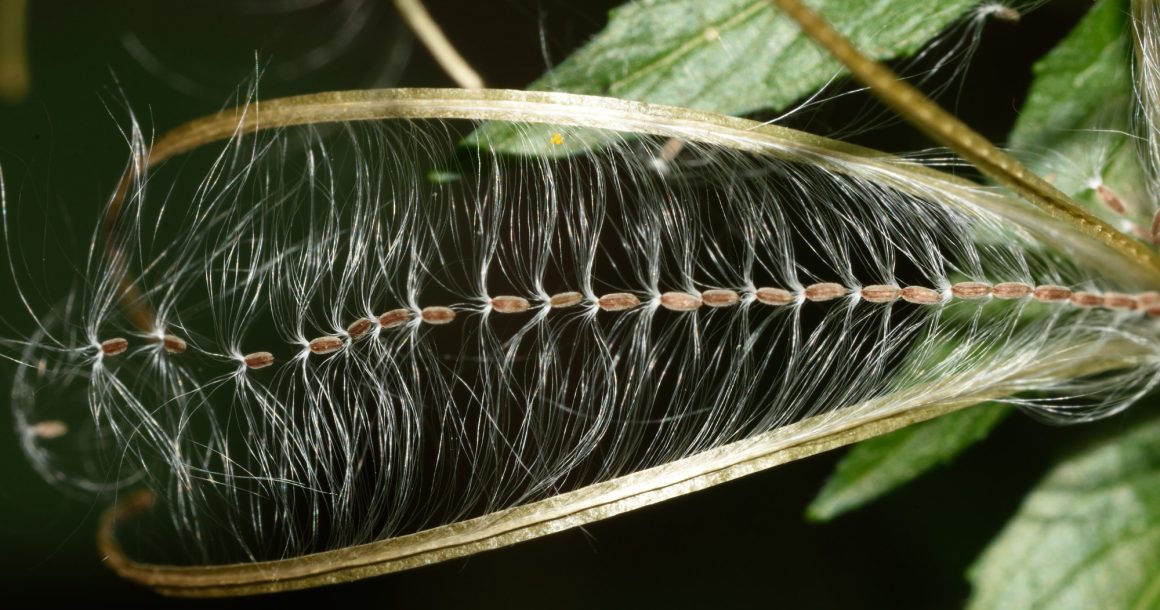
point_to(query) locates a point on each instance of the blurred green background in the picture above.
(742, 544)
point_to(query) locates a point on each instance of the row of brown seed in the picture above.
(1148, 302)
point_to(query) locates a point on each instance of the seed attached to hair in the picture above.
(258, 360)
(1050, 293)
(921, 295)
(1110, 199)
(394, 317)
(1156, 227)
(618, 301)
(437, 315)
(971, 290)
(1087, 299)
(720, 298)
(1148, 299)
(565, 299)
(510, 304)
(881, 293)
(774, 296)
(359, 328)
(680, 301)
(1004, 13)
(826, 291)
(1120, 301)
(173, 344)
(1011, 290)
(1153, 311)
(114, 346)
(327, 344)
(49, 429)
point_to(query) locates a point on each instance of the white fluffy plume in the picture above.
(361, 330)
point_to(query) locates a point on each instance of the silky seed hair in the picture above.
(367, 329)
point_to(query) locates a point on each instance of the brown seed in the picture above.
(437, 315)
(774, 296)
(672, 148)
(1086, 299)
(49, 429)
(1050, 293)
(618, 301)
(565, 299)
(971, 290)
(327, 344)
(1005, 13)
(115, 346)
(720, 298)
(826, 291)
(258, 360)
(1148, 299)
(1156, 227)
(510, 304)
(1011, 290)
(881, 293)
(1120, 301)
(360, 327)
(680, 301)
(134, 504)
(394, 317)
(921, 295)
(173, 344)
(1109, 198)
(1153, 311)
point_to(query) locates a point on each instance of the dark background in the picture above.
(741, 544)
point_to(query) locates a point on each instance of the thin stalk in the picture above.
(438, 45)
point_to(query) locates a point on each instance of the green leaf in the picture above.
(1075, 127)
(879, 465)
(1088, 536)
(726, 56)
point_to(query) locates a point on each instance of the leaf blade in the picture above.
(697, 54)
(880, 465)
(1087, 536)
(702, 42)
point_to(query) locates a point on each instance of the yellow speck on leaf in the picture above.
(557, 138)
